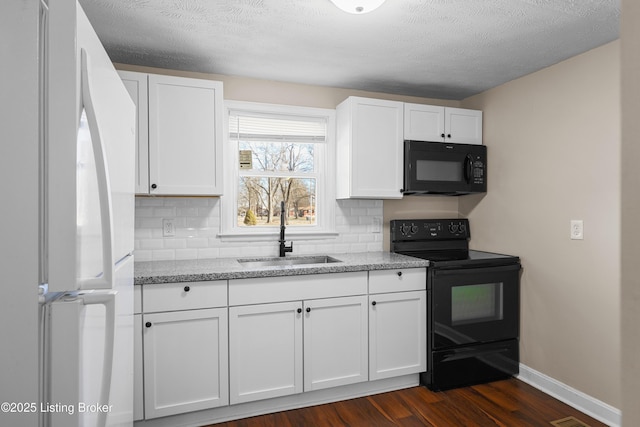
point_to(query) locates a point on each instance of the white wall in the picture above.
(553, 140)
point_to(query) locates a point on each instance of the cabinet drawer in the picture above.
(184, 296)
(290, 288)
(408, 279)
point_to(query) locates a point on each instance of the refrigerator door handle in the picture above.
(108, 299)
(105, 281)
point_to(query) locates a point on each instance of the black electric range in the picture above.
(473, 300)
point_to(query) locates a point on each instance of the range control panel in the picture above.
(429, 229)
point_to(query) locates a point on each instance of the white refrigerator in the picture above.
(87, 221)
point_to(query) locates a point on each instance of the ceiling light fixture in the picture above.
(358, 7)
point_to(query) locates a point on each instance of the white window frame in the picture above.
(326, 195)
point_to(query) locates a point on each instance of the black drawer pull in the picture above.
(148, 324)
(187, 288)
(399, 273)
(154, 186)
(299, 310)
(373, 303)
(308, 309)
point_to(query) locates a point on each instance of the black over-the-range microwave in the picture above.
(444, 168)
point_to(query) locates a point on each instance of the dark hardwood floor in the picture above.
(509, 403)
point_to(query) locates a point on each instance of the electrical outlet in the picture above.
(168, 227)
(377, 225)
(577, 229)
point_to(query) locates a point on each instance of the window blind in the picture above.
(252, 126)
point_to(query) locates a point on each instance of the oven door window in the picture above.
(476, 303)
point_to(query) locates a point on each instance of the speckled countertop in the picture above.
(150, 272)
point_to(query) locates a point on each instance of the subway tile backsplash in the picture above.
(197, 225)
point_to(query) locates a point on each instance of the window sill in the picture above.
(274, 236)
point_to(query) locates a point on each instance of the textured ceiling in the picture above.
(448, 49)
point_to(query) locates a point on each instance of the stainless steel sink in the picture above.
(297, 260)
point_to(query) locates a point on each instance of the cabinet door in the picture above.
(397, 334)
(463, 126)
(265, 351)
(138, 366)
(335, 342)
(370, 154)
(185, 136)
(424, 122)
(185, 361)
(136, 84)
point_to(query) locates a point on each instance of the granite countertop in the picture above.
(150, 272)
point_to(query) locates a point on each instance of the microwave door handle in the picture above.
(468, 166)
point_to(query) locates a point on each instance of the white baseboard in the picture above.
(589, 405)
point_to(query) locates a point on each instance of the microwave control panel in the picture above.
(478, 171)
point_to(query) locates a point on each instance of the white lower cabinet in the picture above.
(185, 361)
(397, 334)
(267, 350)
(138, 369)
(335, 342)
(203, 345)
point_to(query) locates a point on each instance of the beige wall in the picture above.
(268, 91)
(630, 212)
(553, 141)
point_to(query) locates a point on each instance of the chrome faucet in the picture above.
(283, 247)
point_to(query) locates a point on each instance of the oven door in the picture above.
(440, 168)
(474, 305)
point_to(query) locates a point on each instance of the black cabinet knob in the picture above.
(148, 324)
(448, 135)
(308, 310)
(373, 303)
(154, 186)
(299, 310)
(187, 288)
(399, 273)
(442, 135)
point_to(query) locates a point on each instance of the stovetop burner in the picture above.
(443, 242)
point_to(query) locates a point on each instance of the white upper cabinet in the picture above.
(180, 133)
(185, 136)
(442, 124)
(369, 149)
(136, 84)
(423, 122)
(463, 126)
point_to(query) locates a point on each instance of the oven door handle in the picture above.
(458, 270)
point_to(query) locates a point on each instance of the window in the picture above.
(278, 154)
